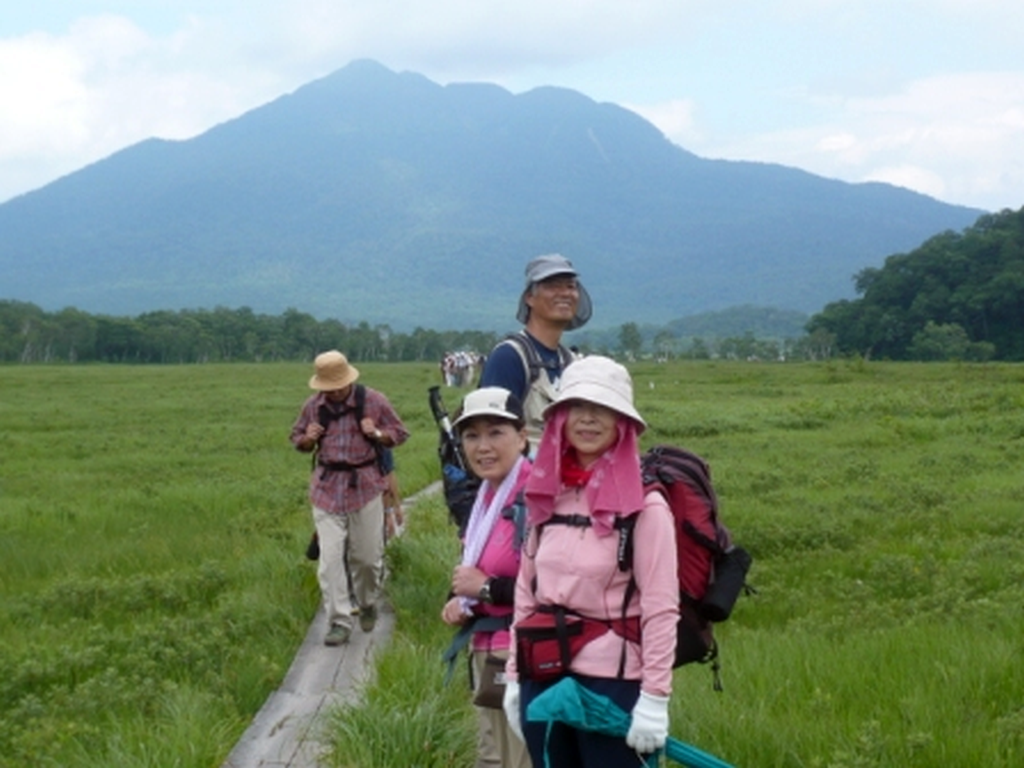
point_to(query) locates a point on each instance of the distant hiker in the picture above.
(493, 437)
(346, 488)
(575, 612)
(530, 362)
(459, 368)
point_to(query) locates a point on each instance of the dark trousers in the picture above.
(556, 745)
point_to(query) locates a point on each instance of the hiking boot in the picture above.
(337, 635)
(368, 618)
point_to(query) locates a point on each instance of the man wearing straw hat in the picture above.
(346, 488)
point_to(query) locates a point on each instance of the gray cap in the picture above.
(550, 265)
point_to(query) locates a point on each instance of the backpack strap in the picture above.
(378, 449)
(624, 557)
(531, 358)
(465, 632)
(516, 512)
(325, 416)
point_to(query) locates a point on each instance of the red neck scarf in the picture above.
(573, 474)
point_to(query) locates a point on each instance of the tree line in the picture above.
(28, 334)
(957, 296)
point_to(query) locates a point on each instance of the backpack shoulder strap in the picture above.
(360, 410)
(360, 401)
(516, 512)
(531, 358)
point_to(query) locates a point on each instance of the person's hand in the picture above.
(452, 612)
(648, 728)
(314, 431)
(510, 703)
(369, 428)
(393, 520)
(467, 580)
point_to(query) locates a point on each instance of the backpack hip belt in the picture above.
(344, 466)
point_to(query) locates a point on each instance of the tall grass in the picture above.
(882, 503)
(153, 589)
(152, 528)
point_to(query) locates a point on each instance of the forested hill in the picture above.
(957, 296)
(383, 197)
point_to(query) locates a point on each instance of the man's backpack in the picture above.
(712, 569)
(531, 358)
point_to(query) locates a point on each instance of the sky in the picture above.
(924, 94)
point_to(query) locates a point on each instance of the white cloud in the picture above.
(959, 138)
(674, 118)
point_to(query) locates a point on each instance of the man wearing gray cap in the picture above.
(529, 363)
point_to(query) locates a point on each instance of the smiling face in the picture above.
(492, 447)
(591, 429)
(554, 300)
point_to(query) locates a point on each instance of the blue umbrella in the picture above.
(571, 703)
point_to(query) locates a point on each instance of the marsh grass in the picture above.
(882, 504)
(153, 520)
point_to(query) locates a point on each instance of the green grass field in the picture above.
(153, 520)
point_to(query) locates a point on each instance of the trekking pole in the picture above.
(445, 424)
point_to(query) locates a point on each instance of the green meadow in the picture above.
(153, 588)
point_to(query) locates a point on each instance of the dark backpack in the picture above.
(712, 569)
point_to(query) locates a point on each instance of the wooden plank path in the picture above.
(286, 731)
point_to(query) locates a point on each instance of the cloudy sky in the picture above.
(926, 94)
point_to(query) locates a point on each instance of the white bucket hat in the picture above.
(600, 380)
(550, 265)
(494, 402)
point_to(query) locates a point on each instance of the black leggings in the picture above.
(560, 746)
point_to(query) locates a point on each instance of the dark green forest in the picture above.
(29, 334)
(957, 296)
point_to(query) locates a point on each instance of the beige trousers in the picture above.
(351, 561)
(497, 746)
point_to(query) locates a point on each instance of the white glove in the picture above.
(649, 726)
(510, 703)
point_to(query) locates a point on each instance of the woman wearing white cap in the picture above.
(493, 436)
(585, 481)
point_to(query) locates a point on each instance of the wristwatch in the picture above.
(485, 592)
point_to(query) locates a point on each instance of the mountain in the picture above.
(385, 197)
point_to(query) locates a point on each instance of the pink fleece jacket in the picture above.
(577, 568)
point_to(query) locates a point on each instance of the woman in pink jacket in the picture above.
(585, 481)
(492, 431)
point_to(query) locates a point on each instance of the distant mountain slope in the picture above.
(385, 197)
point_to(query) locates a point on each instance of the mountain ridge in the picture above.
(385, 197)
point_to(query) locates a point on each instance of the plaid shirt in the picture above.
(330, 490)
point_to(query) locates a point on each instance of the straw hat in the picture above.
(332, 372)
(494, 402)
(551, 265)
(600, 380)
